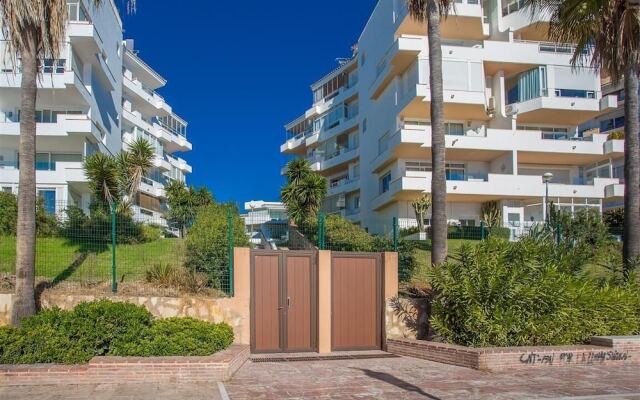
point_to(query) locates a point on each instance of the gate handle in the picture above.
(288, 302)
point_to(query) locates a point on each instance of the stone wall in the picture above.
(602, 351)
(6, 300)
(233, 311)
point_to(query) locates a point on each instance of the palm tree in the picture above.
(431, 12)
(33, 29)
(607, 35)
(115, 180)
(133, 165)
(304, 192)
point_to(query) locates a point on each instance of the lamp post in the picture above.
(546, 178)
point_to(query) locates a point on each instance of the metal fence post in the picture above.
(482, 232)
(321, 243)
(114, 278)
(230, 249)
(395, 234)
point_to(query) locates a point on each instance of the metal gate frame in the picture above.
(379, 299)
(282, 270)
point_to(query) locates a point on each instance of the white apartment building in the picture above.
(94, 98)
(513, 107)
(260, 215)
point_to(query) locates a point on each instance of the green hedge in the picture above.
(103, 328)
(499, 293)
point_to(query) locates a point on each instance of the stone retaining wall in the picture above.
(610, 350)
(216, 368)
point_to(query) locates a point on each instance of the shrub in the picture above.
(95, 229)
(500, 293)
(180, 336)
(614, 218)
(107, 328)
(207, 242)
(177, 277)
(617, 135)
(500, 232)
(8, 214)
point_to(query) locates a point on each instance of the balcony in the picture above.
(560, 110)
(149, 102)
(516, 16)
(296, 144)
(179, 163)
(65, 125)
(615, 190)
(402, 53)
(152, 188)
(56, 173)
(464, 92)
(491, 187)
(172, 142)
(345, 185)
(465, 21)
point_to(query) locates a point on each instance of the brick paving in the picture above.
(409, 378)
(131, 391)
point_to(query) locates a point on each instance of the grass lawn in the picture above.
(423, 257)
(64, 260)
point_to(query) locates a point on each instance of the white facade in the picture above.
(513, 106)
(79, 109)
(258, 213)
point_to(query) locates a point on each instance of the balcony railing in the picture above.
(551, 47)
(565, 136)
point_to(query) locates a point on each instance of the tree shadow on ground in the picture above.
(62, 276)
(397, 382)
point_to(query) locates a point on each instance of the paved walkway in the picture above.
(390, 378)
(408, 378)
(165, 391)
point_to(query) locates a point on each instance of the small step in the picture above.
(342, 355)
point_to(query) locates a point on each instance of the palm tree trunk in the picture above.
(438, 177)
(631, 246)
(24, 303)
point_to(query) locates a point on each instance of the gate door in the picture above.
(283, 301)
(356, 301)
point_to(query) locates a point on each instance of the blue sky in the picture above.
(238, 71)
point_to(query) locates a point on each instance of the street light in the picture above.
(546, 178)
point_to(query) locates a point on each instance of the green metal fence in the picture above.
(106, 251)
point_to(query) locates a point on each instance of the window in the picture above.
(48, 199)
(585, 94)
(611, 123)
(454, 128)
(51, 66)
(364, 125)
(7, 189)
(383, 143)
(455, 172)
(356, 202)
(418, 166)
(385, 183)
(467, 222)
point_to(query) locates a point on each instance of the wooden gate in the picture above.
(283, 301)
(356, 301)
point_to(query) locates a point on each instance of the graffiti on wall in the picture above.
(588, 357)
